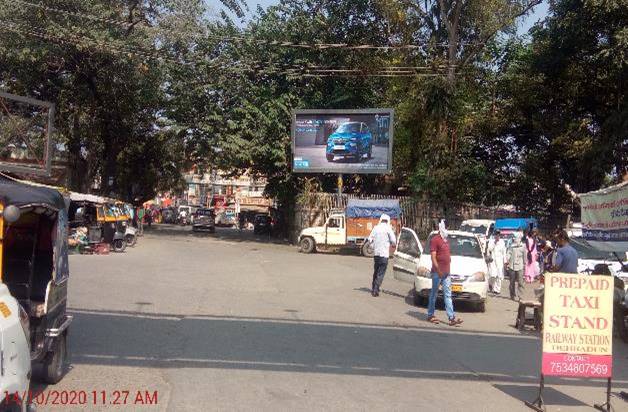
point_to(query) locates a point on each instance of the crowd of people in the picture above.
(526, 258)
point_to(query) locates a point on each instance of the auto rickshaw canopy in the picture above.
(21, 194)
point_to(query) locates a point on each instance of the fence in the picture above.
(312, 209)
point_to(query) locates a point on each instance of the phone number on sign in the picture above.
(54, 397)
(579, 368)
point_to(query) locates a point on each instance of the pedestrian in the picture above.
(531, 271)
(516, 261)
(382, 238)
(566, 260)
(441, 264)
(496, 259)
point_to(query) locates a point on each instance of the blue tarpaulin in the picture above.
(515, 223)
(373, 208)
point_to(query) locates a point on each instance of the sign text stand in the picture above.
(605, 407)
(538, 404)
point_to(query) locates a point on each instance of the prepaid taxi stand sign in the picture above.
(577, 329)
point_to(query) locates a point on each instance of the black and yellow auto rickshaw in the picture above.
(100, 219)
(34, 267)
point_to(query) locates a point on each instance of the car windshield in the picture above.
(263, 219)
(478, 230)
(459, 245)
(586, 251)
(349, 128)
(204, 212)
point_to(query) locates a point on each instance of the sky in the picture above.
(525, 23)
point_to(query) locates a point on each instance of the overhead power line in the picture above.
(257, 67)
(247, 39)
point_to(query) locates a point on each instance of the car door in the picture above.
(407, 256)
(335, 230)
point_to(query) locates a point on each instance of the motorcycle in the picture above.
(130, 236)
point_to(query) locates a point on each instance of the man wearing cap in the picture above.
(382, 238)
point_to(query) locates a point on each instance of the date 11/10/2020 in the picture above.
(81, 397)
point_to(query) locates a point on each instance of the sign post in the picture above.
(577, 330)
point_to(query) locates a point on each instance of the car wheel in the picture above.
(55, 365)
(481, 306)
(330, 158)
(418, 299)
(367, 250)
(307, 245)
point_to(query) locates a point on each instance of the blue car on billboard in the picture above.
(351, 140)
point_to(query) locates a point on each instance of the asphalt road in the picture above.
(232, 322)
(316, 156)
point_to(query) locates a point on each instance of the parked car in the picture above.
(483, 228)
(263, 224)
(351, 140)
(226, 218)
(169, 215)
(469, 273)
(204, 220)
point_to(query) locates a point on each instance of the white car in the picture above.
(15, 353)
(483, 228)
(469, 273)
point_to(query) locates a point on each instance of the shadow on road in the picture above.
(222, 233)
(179, 341)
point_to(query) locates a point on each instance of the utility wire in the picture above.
(245, 39)
(270, 68)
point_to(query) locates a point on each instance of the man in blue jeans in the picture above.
(382, 238)
(441, 263)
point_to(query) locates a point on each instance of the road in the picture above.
(232, 322)
(316, 157)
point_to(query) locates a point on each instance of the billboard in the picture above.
(342, 141)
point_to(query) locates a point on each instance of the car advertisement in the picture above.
(336, 141)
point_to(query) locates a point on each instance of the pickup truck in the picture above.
(351, 227)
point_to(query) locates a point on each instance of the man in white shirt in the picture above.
(382, 237)
(496, 259)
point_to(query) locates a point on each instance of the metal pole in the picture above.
(606, 407)
(339, 183)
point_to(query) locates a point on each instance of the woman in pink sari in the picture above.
(532, 266)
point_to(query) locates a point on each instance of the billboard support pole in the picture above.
(538, 404)
(606, 406)
(339, 183)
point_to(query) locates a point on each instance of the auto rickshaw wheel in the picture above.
(130, 240)
(119, 245)
(55, 365)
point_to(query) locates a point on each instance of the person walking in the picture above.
(566, 260)
(382, 237)
(516, 261)
(441, 266)
(531, 271)
(496, 257)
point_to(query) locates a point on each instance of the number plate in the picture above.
(339, 147)
(456, 288)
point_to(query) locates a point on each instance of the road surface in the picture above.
(232, 322)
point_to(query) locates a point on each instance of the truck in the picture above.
(350, 228)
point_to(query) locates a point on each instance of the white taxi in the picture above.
(15, 354)
(469, 272)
